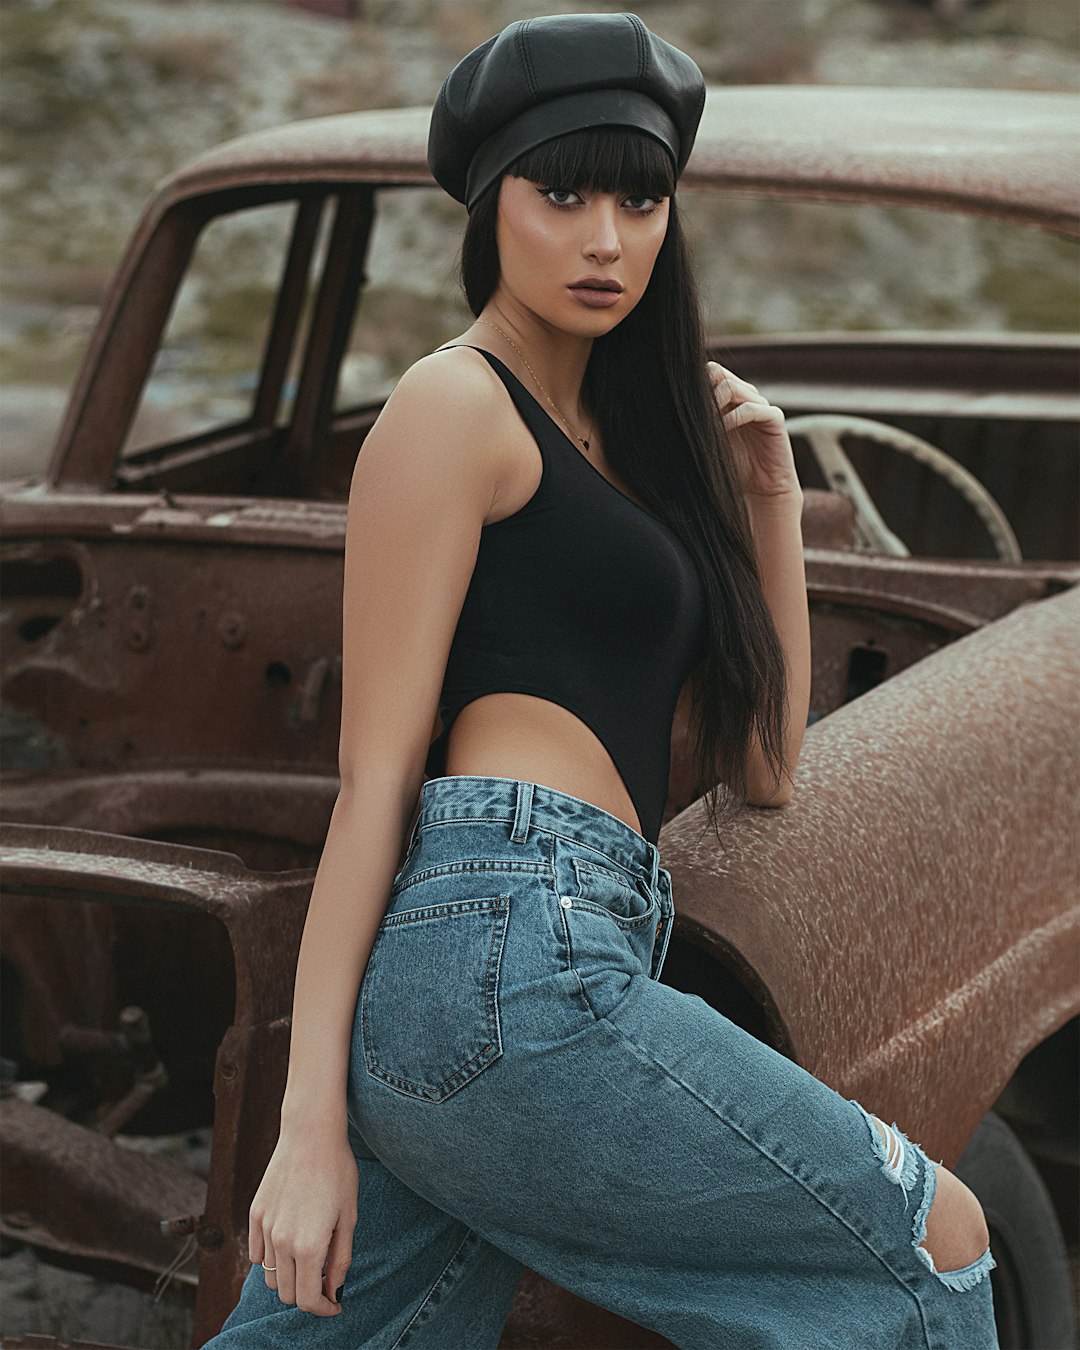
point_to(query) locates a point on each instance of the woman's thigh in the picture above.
(628, 1141)
(419, 1279)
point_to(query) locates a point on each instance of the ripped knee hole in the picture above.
(899, 1162)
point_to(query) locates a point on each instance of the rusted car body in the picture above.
(906, 928)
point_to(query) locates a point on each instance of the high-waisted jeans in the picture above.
(524, 1091)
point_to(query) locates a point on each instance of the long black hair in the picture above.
(647, 388)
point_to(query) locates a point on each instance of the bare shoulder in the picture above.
(450, 410)
(451, 367)
(455, 388)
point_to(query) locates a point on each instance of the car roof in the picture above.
(1008, 153)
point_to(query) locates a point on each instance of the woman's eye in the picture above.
(563, 192)
(548, 193)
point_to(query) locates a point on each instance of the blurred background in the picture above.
(100, 98)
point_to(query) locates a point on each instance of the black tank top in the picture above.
(584, 598)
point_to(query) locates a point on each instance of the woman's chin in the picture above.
(589, 320)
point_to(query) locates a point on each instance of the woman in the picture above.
(550, 534)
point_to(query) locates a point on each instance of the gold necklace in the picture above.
(532, 372)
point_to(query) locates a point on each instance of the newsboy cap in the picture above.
(555, 73)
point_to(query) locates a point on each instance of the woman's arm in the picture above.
(774, 500)
(358, 865)
(776, 522)
(423, 485)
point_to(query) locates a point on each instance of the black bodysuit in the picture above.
(584, 598)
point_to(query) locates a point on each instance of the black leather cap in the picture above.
(555, 73)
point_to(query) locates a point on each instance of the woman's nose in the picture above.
(602, 237)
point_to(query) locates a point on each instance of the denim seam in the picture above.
(494, 966)
(552, 830)
(605, 869)
(569, 948)
(585, 994)
(649, 1059)
(581, 899)
(486, 818)
(443, 909)
(444, 1277)
(472, 866)
(573, 842)
(629, 925)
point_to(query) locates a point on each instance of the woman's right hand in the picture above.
(303, 1217)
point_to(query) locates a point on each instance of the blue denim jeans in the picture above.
(524, 1091)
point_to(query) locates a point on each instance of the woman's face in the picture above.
(551, 237)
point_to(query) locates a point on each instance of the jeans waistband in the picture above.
(522, 805)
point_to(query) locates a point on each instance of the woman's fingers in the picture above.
(268, 1259)
(730, 388)
(309, 1283)
(733, 393)
(286, 1275)
(339, 1257)
(717, 371)
(301, 1221)
(300, 1275)
(752, 412)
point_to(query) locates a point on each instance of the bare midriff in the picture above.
(535, 739)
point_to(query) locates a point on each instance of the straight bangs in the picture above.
(600, 159)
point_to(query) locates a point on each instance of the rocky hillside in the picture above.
(100, 98)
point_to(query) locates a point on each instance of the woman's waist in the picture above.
(486, 819)
(574, 750)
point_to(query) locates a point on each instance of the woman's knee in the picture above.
(956, 1231)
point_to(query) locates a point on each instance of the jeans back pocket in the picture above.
(429, 1002)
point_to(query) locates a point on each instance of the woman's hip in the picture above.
(514, 980)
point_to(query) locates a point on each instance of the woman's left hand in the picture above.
(757, 428)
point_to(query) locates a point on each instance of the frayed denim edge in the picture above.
(904, 1171)
(966, 1277)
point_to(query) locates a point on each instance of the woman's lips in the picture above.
(596, 298)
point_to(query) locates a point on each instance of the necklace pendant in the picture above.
(585, 443)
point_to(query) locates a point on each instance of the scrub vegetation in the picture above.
(101, 98)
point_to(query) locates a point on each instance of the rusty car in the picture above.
(905, 927)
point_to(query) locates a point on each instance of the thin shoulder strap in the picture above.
(542, 426)
(500, 366)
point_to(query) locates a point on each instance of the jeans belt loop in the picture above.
(519, 830)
